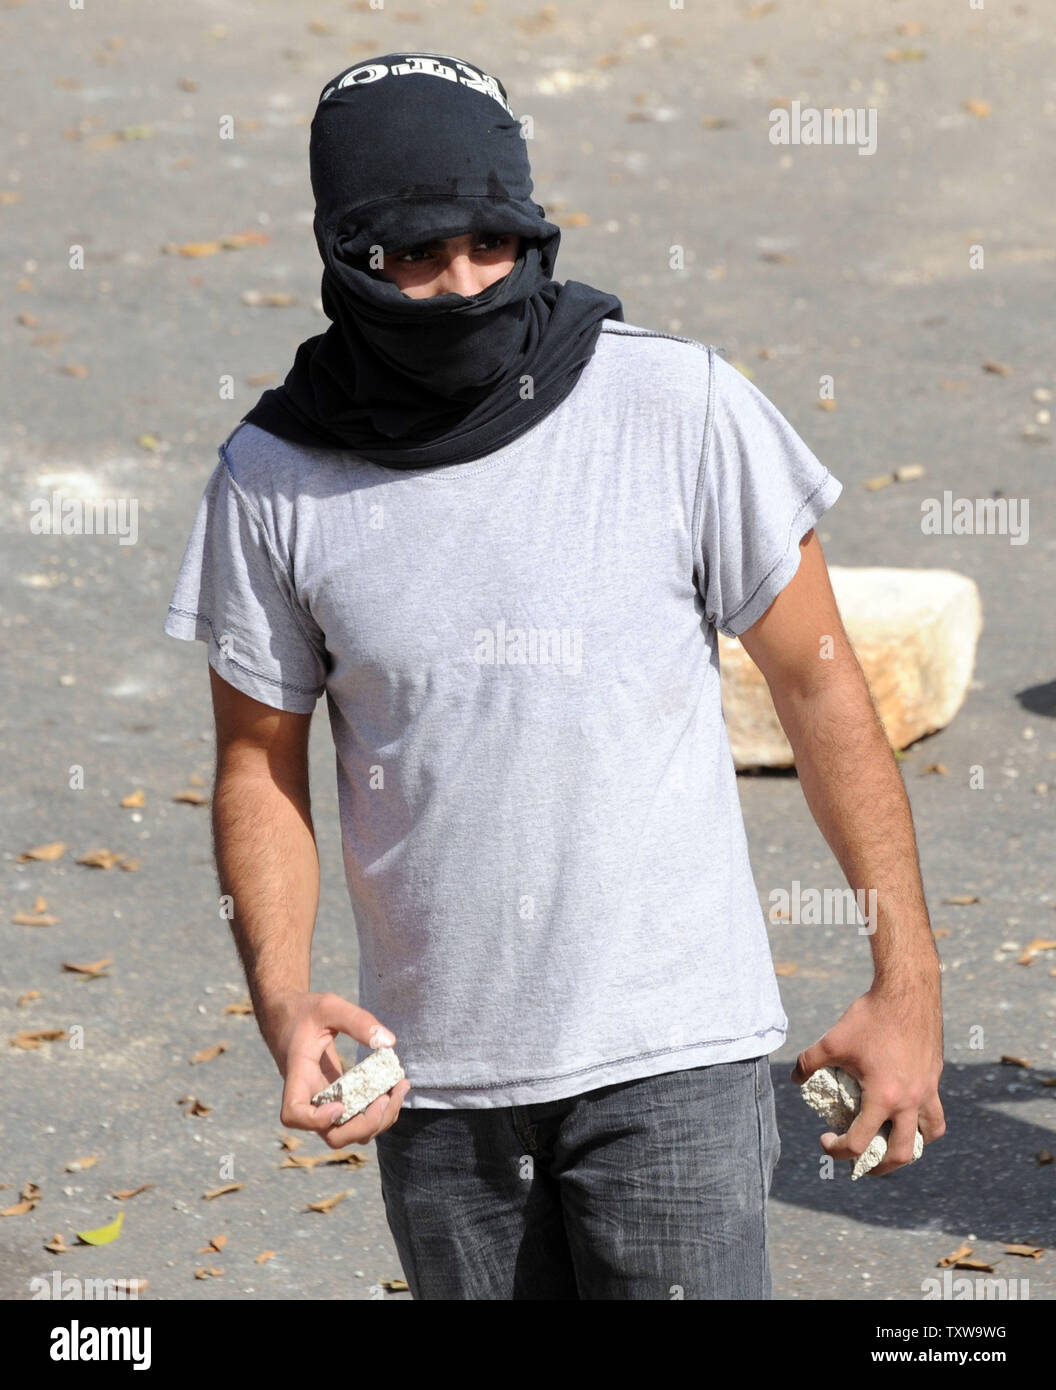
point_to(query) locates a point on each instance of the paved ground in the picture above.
(653, 123)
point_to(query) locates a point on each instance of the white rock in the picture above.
(914, 633)
(837, 1097)
(360, 1085)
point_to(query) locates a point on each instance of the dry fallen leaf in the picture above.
(1042, 1157)
(25, 998)
(975, 107)
(881, 480)
(940, 932)
(959, 1254)
(395, 1285)
(97, 968)
(1033, 1252)
(351, 1155)
(195, 248)
(100, 858)
(78, 1165)
(216, 1243)
(962, 899)
(55, 850)
(192, 797)
(19, 1209)
(263, 1256)
(136, 798)
(208, 1053)
(34, 919)
(1038, 944)
(57, 1244)
(291, 1142)
(328, 1203)
(276, 299)
(219, 1191)
(127, 1192)
(208, 1272)
(128, 1287)
(786, 968)
(935, 767)
(129, 865)
(975, 1264)
(28, 1040)
(236, 241)
(194, 1106)
(355, 1158)
(997, 368)
(1014, 1062)
(244, 1006)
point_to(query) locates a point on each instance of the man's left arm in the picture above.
(891, 1037)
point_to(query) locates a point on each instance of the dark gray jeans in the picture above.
(647, 1189)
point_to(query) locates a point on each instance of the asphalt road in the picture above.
(651, 130)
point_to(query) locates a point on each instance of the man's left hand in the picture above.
(891, 1040)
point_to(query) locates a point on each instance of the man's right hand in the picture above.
(299, 1030)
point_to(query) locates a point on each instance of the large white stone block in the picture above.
(915, 634)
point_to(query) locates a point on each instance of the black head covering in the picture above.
(404, 149)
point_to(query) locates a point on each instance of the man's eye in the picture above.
(489, 241)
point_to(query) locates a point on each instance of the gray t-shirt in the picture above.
(542, 836)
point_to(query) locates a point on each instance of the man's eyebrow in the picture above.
(439, 241)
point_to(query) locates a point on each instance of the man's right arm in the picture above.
(268, 865)
(264, 843)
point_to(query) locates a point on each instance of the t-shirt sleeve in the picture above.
(760, 491)
(233, 593)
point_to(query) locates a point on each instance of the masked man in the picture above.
(500, 528)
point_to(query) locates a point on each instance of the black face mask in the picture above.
(407, 149)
